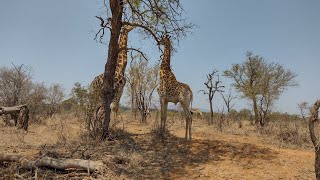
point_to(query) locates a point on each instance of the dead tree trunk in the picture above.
(313, 118)
(21, 112)
(62, 164)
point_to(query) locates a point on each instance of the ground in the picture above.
(137, 153)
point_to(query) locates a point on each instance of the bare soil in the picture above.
(136, 153)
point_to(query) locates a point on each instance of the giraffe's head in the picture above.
(127, 28)
(164, 39)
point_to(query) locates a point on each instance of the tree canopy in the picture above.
(261, 82)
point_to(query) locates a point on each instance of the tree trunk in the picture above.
(143, 117)
(23, 118)
(255, 110)
(109, 73)
(211, 111)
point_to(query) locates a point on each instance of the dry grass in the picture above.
(137, 153)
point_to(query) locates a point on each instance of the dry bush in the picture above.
(288, 133)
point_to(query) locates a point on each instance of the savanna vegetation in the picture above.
(74, 135)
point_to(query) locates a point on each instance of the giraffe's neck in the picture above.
(165, 64)
(122, 56)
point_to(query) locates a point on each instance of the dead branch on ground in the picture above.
(61, 164)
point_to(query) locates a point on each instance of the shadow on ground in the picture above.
(144, 156)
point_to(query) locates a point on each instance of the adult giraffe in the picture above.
(96, 85)
(171, 90)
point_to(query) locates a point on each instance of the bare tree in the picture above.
(15, 86)
(147, 79)
(260, 82)
(316, 143)
(152, 16)
(227, 99)
(36, 101)
(54, 98)
(303, 107)
(213, 86)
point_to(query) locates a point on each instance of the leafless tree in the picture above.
(261, 82)
(316, 143)
(227, 99)
(303, 107)
(36, 101)
(152, 17)
(54, 98)
(147, 79)
(213, 86)
(15, 86)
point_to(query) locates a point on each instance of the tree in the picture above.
(147, 80)
(15, 86)
(303, 107)
(260, 82)
(36, 101)
(315, 141)
(79, 94)
(212, 86)
(227, 99)
(54, 98)
(152, 16)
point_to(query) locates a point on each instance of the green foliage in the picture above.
(79, 94)
(261, 82)
(257, 77)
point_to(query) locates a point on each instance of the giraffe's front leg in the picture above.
(164, 105)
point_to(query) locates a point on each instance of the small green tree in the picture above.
(80, 95)
(260, 82)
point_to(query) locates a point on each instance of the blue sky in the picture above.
(56, 39)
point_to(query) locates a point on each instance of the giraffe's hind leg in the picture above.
(187, 115)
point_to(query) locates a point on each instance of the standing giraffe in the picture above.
(171, 90)
(96, 85)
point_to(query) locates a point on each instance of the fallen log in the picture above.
(11, 110)
(61, 164)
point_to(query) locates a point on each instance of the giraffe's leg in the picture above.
(187, 116)
(165, 116)
(117, 97)
(161, 115)
(164, 105)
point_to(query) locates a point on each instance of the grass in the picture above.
(137, 152)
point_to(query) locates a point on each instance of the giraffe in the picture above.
(96, 85)
(171, 90)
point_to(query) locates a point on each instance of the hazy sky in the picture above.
(56, 39)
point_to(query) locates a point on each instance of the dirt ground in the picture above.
(136, 153)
